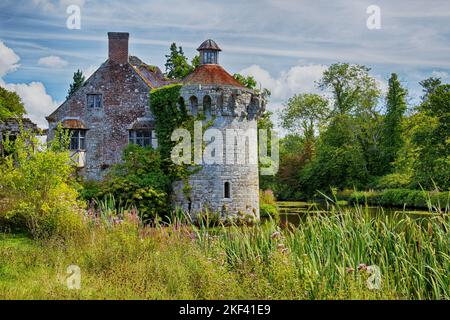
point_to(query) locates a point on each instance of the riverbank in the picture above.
(327, 257)
(400, 198)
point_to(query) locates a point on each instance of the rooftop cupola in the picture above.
(209, 52)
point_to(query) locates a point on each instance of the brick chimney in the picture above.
(118, 47)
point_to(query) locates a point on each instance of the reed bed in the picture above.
(327, 256)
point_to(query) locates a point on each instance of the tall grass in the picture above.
(323, 258)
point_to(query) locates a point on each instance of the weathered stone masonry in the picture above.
(124, 93)
(225, 188)
(113, 103)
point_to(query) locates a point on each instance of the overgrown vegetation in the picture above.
(139, 181)
(37, 191)
(324, 258)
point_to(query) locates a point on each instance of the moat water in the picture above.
(296, 211)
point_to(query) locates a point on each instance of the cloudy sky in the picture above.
(285, 44)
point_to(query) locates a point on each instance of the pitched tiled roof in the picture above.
(211, 74)
(152, 75)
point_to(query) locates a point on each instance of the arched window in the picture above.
(227, 190)
(194, 105)
(207, 106)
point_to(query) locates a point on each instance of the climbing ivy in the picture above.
(171, 113)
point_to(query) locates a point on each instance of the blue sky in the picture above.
(285, 44)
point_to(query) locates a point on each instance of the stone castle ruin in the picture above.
(112, 110)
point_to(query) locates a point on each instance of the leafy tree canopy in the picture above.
(177, 65)
(352, 88)
(10, 105)
(78, 81)
(303, 112)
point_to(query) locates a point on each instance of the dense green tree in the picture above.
(339, 160)
(295, 154)
(392, 140)
(265, 123)
(432, 139)
(351, 86)
(177, 65)
(303, 113)
(78, 81)
(346, 151)
(429, 85)
(10, 105)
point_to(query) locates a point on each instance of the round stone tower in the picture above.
(228, 184)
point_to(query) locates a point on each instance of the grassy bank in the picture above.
(429, 200)
(317, 260)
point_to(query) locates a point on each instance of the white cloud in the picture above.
(8, 60)
(38, 103)
(298, 79)
(440, 74)
(53, 62)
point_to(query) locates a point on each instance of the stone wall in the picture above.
(232, 109)
(125, 99)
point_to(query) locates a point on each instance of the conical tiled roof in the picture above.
(211, 74)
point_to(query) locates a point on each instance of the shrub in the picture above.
(392, 181)
(267, 210)
(137, 182)
(267, 205)
(38, 189)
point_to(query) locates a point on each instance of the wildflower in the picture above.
(275, 235)
(280, 246)
(350, 270)
(362, 266)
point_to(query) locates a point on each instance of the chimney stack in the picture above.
(118, 47)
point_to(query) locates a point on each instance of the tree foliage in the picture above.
(392, 139)
(11, 105)
(139, 181)
(303, 113)
(432, 139)
(78, 82)
(177, 65)
(351, 86)
(358, 145)
(37, 189)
